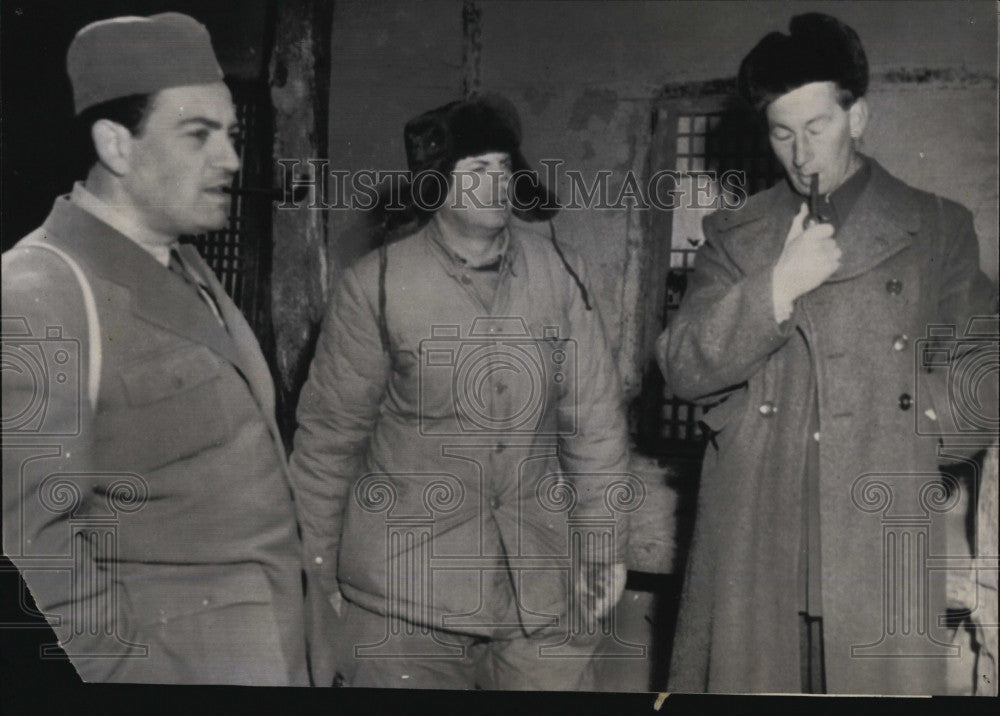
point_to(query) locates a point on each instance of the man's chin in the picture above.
(211, 223)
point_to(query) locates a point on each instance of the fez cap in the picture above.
(819, 48)
(122, 56)
(436, 140)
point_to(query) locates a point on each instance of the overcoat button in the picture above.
(894, 286)
(905, 401)
(499, 447)
(900, 342)
(466, 279)
(494, 502)
(767, 409)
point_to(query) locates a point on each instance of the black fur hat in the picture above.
(438, 139)
(819, 48)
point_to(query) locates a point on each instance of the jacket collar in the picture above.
(511, 258)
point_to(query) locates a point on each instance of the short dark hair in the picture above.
(130, 112)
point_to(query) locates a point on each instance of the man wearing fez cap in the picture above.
(808, 332)
(145, 493)
(462, 408)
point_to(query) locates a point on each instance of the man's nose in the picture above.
(803, 152)
(228, 158)
(503, 182)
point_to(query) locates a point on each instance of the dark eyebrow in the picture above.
(206, 122)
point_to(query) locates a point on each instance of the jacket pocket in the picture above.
(206, 623)
(163, 593)
(178, 372)
(172, 407)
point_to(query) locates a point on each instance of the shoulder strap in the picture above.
(383, 325)
(93, 322)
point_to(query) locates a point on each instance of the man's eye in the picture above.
(781, 135)
(200, 134)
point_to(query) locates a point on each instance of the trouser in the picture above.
(510, 663)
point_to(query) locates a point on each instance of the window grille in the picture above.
(239, 252)
(718, 139)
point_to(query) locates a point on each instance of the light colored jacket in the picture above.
(438, 480)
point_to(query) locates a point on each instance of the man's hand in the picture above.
(599, 588)
(809, 258)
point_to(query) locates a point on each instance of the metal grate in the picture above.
(716, 141)
(236, 253)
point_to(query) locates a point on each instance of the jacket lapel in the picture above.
(249, 360)
(158, 295)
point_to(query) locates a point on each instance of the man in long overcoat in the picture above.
(805, 574)
(145, 494)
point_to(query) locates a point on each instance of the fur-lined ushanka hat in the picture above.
(819, 48)
(438, 139)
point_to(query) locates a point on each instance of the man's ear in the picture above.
(113, 144)
(857, 116)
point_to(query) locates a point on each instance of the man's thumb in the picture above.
(798, 223)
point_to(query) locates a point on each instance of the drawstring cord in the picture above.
(579, 283)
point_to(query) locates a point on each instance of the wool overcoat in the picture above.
(856, 344)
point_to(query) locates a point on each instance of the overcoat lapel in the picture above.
(881, 224)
